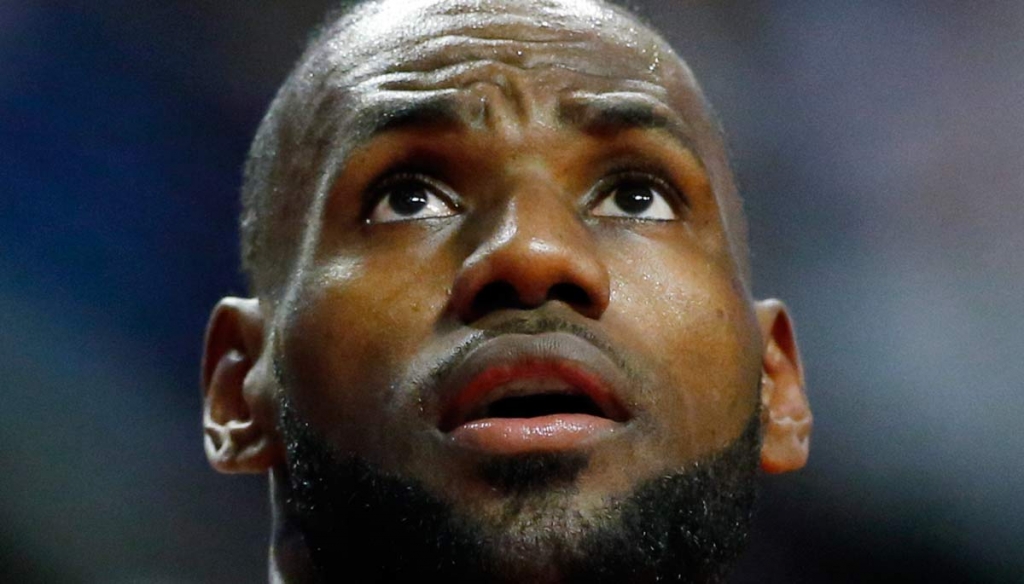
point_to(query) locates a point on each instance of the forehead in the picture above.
(555, 47)
(420, 31)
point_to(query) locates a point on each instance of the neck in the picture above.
(289, 556)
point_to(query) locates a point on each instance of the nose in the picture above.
(537, 253)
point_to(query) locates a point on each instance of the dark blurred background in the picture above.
(880, 148)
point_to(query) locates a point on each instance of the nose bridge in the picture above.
(535, 228)
(538, 250)
(536, 212)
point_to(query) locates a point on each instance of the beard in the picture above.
(362, 524)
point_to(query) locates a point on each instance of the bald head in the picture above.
(381, 47)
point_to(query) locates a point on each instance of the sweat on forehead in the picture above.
(299, 136)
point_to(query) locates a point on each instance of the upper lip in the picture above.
(490, 372)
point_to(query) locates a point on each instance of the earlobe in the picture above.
(787, 415)
(238, 410)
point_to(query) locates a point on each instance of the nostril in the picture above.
(500, 295)
(570, 294)
(496, 296)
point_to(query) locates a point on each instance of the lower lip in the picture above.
(528, 435)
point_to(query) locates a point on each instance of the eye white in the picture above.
(410, 199)
(635, 199)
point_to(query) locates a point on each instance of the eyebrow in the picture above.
(609, 112)
(395, 110)
(620, 111)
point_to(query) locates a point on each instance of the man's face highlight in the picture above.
(517, 291)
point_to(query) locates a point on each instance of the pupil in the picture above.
(408, 201)
(634, 199)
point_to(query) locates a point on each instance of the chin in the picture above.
(363, 524)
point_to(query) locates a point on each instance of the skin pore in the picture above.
(458, 207)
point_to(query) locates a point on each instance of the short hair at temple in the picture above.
(280, 179)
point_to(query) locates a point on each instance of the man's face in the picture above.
(517, 290)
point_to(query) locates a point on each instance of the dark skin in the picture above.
(531, 179)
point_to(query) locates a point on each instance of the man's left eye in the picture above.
(636, 198)
(409, 198)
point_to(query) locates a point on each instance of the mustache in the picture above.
(525, 325)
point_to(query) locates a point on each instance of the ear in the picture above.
(787, 427)
(239, 413)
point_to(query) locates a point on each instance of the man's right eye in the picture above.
(410, 198)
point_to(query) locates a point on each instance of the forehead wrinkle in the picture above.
(473, 71)
(444, 53)
(444, 98)
(407, 32)
(411, 42)
(439, 46)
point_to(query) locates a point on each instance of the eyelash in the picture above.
(395, 178)
(676, 198)
(604, 188)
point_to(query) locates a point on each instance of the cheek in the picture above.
(351, 331)
(692, 322)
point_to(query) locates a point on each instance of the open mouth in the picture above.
(545, 404)
(530, 391)
(534, 393)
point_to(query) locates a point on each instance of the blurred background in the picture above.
(880, 148)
